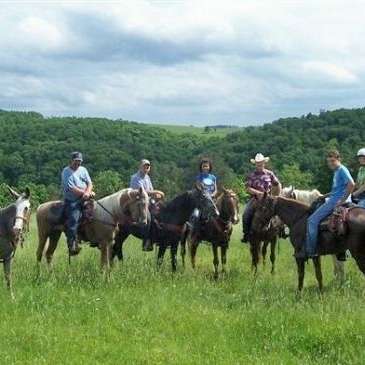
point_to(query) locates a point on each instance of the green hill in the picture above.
(33, 149)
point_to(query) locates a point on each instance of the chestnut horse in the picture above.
(294, 214)
(217, 230)
(108, 212)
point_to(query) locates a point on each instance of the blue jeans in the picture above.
(313, 223)
(73, 212)
(247, 217)
(361, 203)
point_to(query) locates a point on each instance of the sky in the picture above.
(182, 62)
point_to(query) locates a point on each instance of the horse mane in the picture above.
(291, 208)
(176, 203)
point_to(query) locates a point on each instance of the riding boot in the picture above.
(73, 248)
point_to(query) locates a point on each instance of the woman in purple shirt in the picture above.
(258, 183)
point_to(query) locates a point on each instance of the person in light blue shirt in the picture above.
(206, 178)
(342, 187)
(141, 178)
(77, 186)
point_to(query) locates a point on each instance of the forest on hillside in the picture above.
(34, 149)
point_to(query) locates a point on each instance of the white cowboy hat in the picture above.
(259, 158)
(361, 152)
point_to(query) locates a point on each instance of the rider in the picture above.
(342, 187)
(359, 193)
(142, 179)
(209, 183)
(258, 182)
(77, 187)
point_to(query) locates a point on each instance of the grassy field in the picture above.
(199, 131)
(71, 316)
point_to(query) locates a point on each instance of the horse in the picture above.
(309, 197)
(217, 231)
(127, 206)
(169, 225)
(295, 214)
(14, 222)
(261, 238)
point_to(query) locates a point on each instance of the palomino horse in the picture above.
(14, 221)
(218, 230)
(295, 214)
(309, 197)
(168, 226)
(108, 212)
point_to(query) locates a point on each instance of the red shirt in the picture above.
(262, 180)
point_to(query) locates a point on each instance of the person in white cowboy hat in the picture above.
(359, 193)
(258, 183)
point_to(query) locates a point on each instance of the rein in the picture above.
(109, 212)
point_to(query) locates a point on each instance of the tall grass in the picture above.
(141, 316)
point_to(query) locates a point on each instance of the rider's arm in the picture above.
(253, 191)
(359, 190)
(349, 189)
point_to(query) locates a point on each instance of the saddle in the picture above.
(57, 213)
(336, 223)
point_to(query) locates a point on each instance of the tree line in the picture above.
(34, 149)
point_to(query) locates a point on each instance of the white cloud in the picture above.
(206, 61)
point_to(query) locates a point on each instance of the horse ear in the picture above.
(27, 193)
(224, 189)
(124, 199)
(13, 192)
(198, 186)
(291, 189)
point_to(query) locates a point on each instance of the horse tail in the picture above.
(41, 217)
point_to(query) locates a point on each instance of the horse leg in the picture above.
(193, 246)
(7, 273)
(273, 255)
(264, 251)
(173, 253)
(183, 253)
(338, 269)
(53, 242)
(224, 257)
(42, 240)
(105, 259)
(318, 270)
(161, 254)
(215, 259)
(360, 261)
(117, 249)
(301, 271)
(255, 254)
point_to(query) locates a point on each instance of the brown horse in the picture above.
(217, 230)
(294, 214)
(262, 238)
(108, 212)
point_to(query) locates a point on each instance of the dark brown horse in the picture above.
(294, 214)
(261, 239)
(217, 230)
(168, 226)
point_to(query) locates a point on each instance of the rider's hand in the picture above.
(86, 196)
(92, 195)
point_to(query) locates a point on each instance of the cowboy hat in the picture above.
(259, 158)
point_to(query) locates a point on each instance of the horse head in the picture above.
(264, 212)
(22, 213)
(135, 203)
(229, 205)
(204, 202)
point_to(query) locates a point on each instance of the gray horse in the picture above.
(14, 221)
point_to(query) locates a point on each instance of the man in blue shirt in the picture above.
(76, 186)
(342, 187)
(141, 178)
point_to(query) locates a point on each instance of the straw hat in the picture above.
(259, 158)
